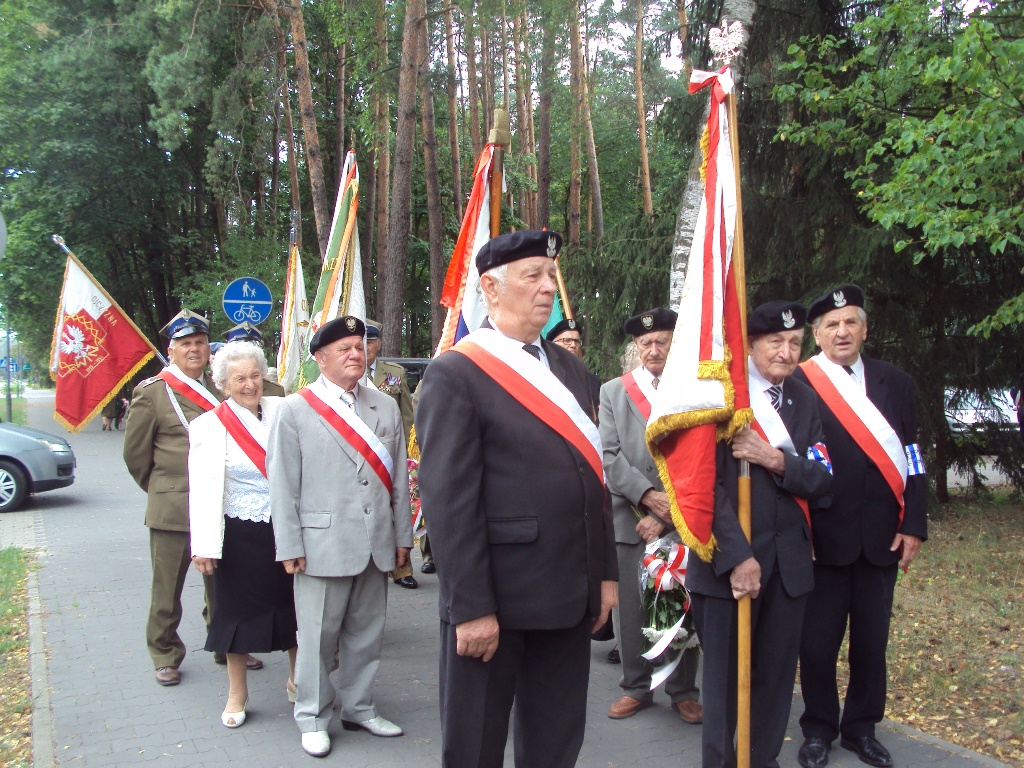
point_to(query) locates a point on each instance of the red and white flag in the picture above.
(96, 348)
(703, 393)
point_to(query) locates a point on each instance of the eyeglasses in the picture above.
(570, 342)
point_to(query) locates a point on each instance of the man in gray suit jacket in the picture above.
(635, 487)
(339, 494)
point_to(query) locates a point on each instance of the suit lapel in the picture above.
(368, 411)
(346, 448)
(874, 383)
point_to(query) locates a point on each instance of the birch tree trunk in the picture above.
(686, 221)
(641, 110)
(391, 269)
(435, 218)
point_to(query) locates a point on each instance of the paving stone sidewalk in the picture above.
(97, 679)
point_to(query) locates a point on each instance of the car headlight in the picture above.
(54, 445)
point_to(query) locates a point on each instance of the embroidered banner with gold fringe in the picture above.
(703, 393)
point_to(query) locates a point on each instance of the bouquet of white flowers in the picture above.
(668, 622)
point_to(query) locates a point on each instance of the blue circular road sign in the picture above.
(247, 300)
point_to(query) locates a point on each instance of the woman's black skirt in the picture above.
(254, 606)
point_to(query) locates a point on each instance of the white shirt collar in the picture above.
(536, 343)
(337, 391)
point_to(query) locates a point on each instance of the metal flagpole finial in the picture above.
(60, 243)
(727, 41)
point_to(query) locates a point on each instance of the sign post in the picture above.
(247, 300)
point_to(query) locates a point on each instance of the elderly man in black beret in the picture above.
(511, 480)
(788, 468)
(568, 333)
(339, 495)
(874, 523)
(635, 486)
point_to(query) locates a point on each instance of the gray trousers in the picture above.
(636, 670)
(346, 613)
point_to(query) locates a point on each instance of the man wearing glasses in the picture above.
(568, 333)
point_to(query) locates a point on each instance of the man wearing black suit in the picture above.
(788, 466)
(519, 527)
(568, 333)
(861, 535)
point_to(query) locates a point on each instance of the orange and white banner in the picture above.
(96, 348)
(703, 390)
(294, 323)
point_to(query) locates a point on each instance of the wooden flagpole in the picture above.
(502, 137)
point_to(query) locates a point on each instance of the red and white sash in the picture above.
(636, 394)
(352, 429)
(189, 388)
(247, 431)
(862, 419)
(768, 424)
(535, 388)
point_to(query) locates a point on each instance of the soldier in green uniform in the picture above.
(390, 379)
(156, 454)
(248, 332)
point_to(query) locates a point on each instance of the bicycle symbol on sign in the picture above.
(246, 312)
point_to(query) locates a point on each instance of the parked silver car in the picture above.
(969, 412)
(32, 461)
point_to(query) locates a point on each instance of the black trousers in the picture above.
(545, 672)
(860, 593)
(775, 620)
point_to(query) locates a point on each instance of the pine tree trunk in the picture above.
(435, 217)
(307, 115)
(391, 270)
(576, 90)
(547, 84)
(594, 174)
(733, 10)
(474, 85)
(339, 111)
(641, 110)
(453, 115)
(289, 126)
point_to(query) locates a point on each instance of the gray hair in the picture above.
(499, 274)
(860, 313)
(630, 357)
(235, 352)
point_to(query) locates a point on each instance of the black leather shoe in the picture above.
(814, 752)
(408, 582)
(613, 656)
(868, 749)
(428, 568)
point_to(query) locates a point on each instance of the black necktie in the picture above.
(775, 395)
(532, 349)
(849, 370)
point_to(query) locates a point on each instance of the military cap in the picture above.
(513, 246)
(657, 319)
(215, 347)
(776, 316)
(338, 328)
(839, 297)
(568, 324)
(244, 332)
(185, 323)
(373, 329)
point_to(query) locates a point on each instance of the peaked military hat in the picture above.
(244, 332)
(185, 323)
(373, 329)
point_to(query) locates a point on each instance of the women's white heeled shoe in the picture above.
(291, 689)
(234, 719)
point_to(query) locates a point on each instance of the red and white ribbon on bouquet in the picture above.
(666, 574)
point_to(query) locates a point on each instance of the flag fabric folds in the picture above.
(461, 295)
(96, 348)
(340, 290)
(294, 323)
(703, 394)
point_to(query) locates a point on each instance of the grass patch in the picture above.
(15, 683)
(17, 409)
(956, 649)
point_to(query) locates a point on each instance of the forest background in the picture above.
(168, 141)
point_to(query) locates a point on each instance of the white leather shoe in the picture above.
(316, 743)
(378, 726)
(234, 719)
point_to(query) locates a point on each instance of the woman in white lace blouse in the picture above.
(232, 532)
